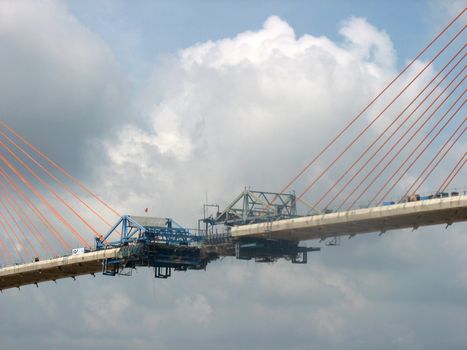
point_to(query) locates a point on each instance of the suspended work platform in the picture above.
(132, 242)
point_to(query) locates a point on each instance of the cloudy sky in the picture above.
(160, 104)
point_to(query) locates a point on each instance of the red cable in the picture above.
(419, 155)
(63, 171)
(20, 213)
(15, 222)
(27, 220)
(11, 239)
(442, 157)
(442, 188)
(397, 143)
(43, 200)
(65, 187)
(446, 183)
(14, 233)
(34, 209)
(8, 204)
(384, 131)
(38, 178)
(10, 258)
(364, 109)
(376, 118)
(424, 170)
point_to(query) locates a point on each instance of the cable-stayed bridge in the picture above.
(390, 167)
(266, 240)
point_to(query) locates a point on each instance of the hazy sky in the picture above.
(158, 104)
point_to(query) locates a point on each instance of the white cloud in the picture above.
(369, 42)
(238, 111)
(59, 78)
(245, 110)
(248, 110)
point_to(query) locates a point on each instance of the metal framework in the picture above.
(153, 242)
(270, 250)
(163, 244)
(132, 229)
(251, 207)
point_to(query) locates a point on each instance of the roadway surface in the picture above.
(377, 219)
(54, 269)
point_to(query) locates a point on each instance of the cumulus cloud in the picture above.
(58, 78)
(250, 110)
(246, 110)
(219, 115)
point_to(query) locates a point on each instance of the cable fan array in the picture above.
(44, 210)
(399, 141)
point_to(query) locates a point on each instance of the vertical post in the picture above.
(245, 205)
(124, 230)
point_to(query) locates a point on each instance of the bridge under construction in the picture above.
(398, 143)
(263, 241)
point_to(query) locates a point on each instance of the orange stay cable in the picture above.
(415, 189)
(453, 173)
(26, 219)
(384, 157)
(11, 239)
(63, 171)
(442, 156)
(14, 233)
(34, 209)
(62, 184)
(347, 127)
(15, 222)
(415, 160)
(342, 189)
(50, 189)
(45, 201)
(378, 116)
(10, 258)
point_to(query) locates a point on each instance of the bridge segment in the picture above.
(376, 219)
(265, 241)
(56, 268)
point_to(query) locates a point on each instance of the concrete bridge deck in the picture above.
(376, 219)
(54, 269)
